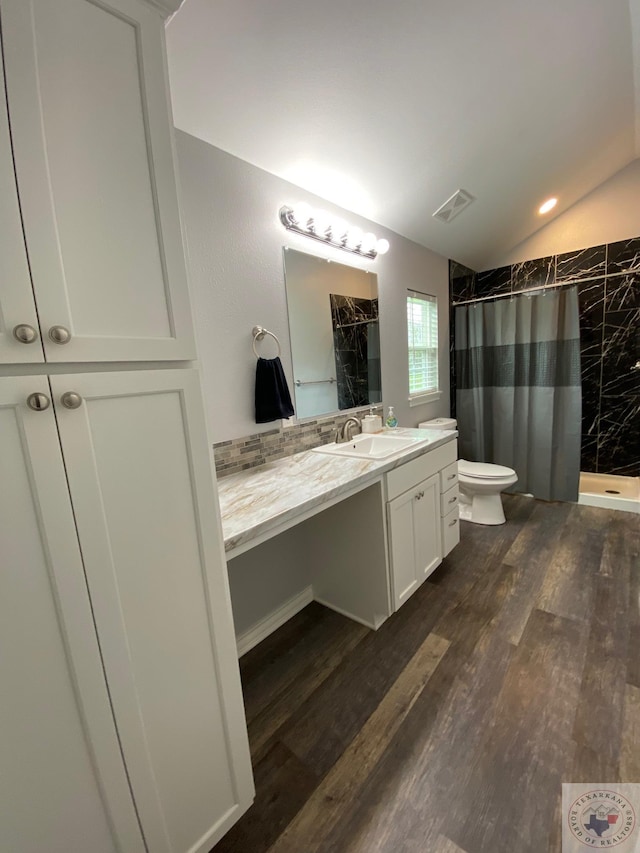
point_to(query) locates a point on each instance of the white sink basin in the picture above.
(371, 446)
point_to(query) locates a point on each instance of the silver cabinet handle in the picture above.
(38, 402)
(419, 496)
(24, 333)
(451, 523)
(452, 476)
(59, 335)
(452, 500)
(71, 400)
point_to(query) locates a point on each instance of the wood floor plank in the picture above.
(527, 750)
(530, 556)
(630, 741)
(445, 845)
(415, 788)
(310, 673)
(598, 722)
(352, 692)
(317, 633)
(341, 786)
(285, 784)
(567, 589)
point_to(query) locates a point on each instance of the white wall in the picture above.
(235, 239)
(609, 213)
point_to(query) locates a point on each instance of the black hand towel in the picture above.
(273, 400)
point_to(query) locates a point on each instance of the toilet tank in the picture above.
(439, 423)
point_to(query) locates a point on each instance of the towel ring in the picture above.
(258, 334)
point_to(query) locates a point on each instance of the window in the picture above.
(422, 327)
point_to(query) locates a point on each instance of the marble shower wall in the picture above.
(356, 343)
(608, 280)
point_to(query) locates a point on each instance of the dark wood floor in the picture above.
(514, 668)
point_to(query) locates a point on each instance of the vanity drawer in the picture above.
(411, 473)
(450, 531)
(449, 476)
(449, 500)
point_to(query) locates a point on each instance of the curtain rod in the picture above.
(541, 288)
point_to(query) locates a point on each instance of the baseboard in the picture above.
(261, 630)
(373, 625)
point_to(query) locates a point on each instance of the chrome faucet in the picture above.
(345, 432)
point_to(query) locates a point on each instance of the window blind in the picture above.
(422, 327)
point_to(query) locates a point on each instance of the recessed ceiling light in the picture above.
(548, 205)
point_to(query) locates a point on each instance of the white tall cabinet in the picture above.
(121, 719)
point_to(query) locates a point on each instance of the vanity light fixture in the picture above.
(548, 205)
(320, 225)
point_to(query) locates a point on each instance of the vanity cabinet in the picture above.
(94, 187)
(123, 690)
(418, 507)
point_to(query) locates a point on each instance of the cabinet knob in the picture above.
(25, 334)
(451, 523)
(59, 335)
(452, 500)
(38, 402)
(71, 400)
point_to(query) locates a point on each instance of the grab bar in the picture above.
(299, 382)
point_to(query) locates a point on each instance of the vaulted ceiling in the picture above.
(386, 109)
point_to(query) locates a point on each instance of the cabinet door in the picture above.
(426, 511)
(92, 133)
(17, 307)
(151, 540)
(414, 537)
(400, 516)
(56, 725)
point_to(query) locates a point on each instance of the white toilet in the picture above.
(480, 483)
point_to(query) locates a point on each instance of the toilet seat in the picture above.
(484, 470)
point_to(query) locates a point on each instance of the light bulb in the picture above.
(321, 222)
(548, 205)
(382, 246)
(368, 243)
(354, 238)
(339, 230)
(302, 214)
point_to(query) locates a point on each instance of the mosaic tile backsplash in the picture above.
(608, 279)
(262, 447)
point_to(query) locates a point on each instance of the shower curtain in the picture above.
(518, 394)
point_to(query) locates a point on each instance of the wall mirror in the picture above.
(334, 332)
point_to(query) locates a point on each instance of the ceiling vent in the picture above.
(454, 205)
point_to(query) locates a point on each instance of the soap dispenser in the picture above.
(371, 423)
(391, 421)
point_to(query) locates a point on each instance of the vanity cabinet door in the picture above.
(17, 307)
(140, 473)
(63, 785)
(92, 135)
(426, 513)
(414, 537)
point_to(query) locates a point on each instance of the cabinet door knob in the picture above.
(38, 402)
(71, 400)
(451, 523)
(59, 335)
(24, 333)
(452, 500)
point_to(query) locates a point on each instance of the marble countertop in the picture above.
(258, 500)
